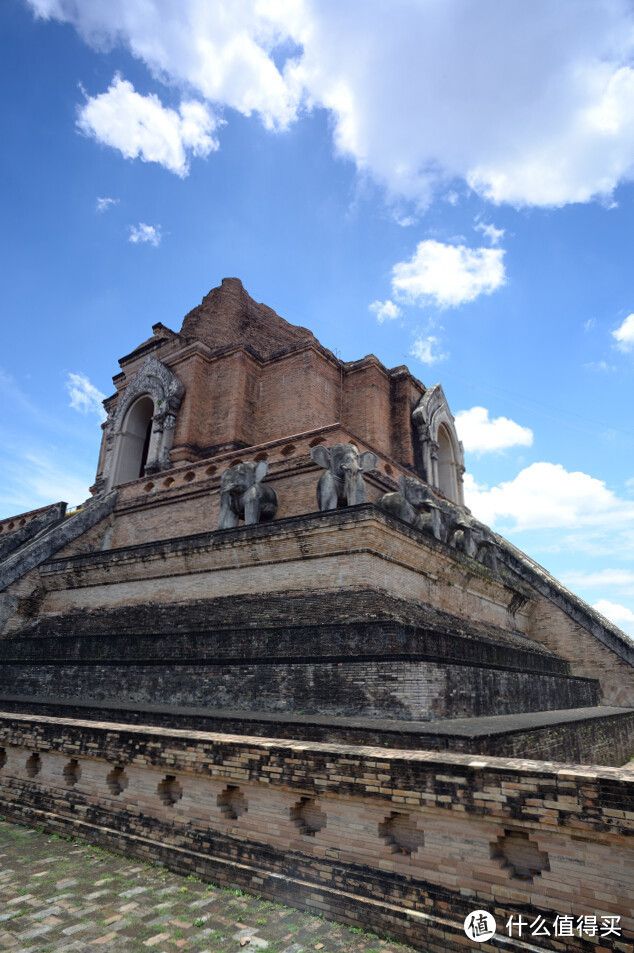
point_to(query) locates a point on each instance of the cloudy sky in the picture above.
(444, 184)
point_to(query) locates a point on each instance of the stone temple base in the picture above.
(333, 710)
(406, 843)
(598, 735)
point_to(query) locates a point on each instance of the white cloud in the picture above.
(103, 204)
(141, 126)
(385, 310)
(30, 480)
(621, 579)
(84, 396)
(480, 434)
(599, 366)
(490, 232)
(624, 335)
(619, 615)
(529, 103)
(547, 496)
(142, 233)
(590, 324)
(448, 275)
(225, 51)
(427, 349)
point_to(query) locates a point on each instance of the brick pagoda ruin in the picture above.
(275, 649)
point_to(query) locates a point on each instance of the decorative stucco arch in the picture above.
(440, 455)
(126, 442)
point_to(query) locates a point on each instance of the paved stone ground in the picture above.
(59, 895)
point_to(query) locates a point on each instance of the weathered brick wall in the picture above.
(553, 628)
(599, 736)
(408, 842)
(357, 547)
(212, 411)
(347, 549)
(339, 625)
(235, 397)
(367, 403)
(380, 689)
(608, 740)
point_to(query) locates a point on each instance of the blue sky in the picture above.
(449, 186)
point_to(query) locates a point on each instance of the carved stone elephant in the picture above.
(414, 503)
(342, 483)
(242, 495)
(417, 504)
(476, 540)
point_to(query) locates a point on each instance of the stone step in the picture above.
(408, 689)
(326, 625)
(592, 735)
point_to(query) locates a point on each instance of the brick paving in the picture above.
(60, 895)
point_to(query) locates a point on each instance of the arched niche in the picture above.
(139, 431)
(134, 441)
(447, 482)
(439, 453)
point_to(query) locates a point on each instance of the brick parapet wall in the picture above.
(466, 815)
(10, 524)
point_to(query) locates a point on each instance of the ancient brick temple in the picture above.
(276, 649)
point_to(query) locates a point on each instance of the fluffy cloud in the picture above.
(530, 104)
(427, 349)
(490, 232)
(547, 496)
(84, 396)
(145, 234)
(480, 434)
(624, 335)
(448, 275)
(103, 204)
(224, 50)
(620, 615)
(385, 310)
(141, 126)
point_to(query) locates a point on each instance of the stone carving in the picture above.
(476, 540)
(342, 483)
(158, 382)
(416, 503)
(439, 453)
(242, 495)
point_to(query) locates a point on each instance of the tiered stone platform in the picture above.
(334, 707)
(277, 662)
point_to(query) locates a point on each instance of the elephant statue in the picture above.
(417, 504)
(342, 483)
(242, 495)
(414, 503)
(476, 540)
